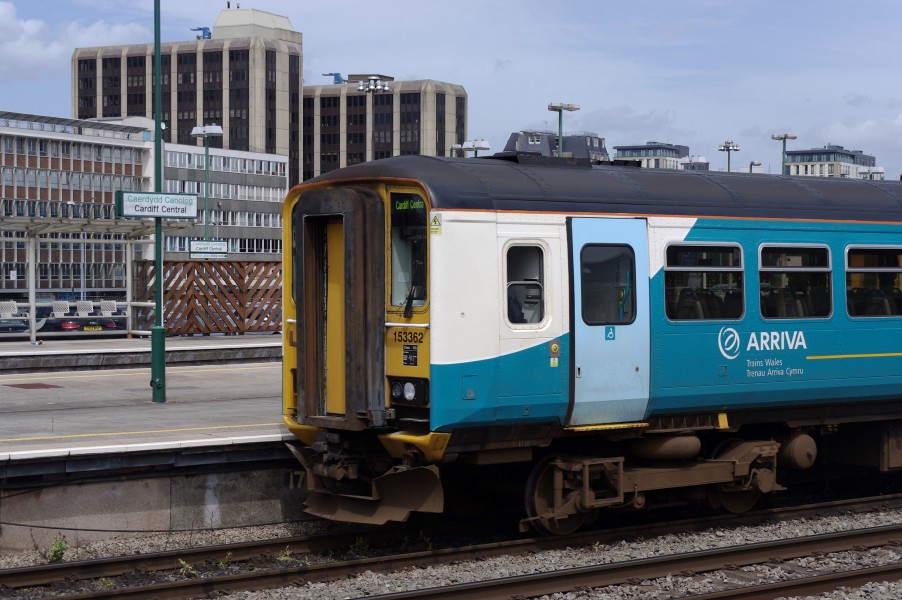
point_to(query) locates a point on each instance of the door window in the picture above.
(608, 284)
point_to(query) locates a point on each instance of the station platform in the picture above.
(88, 353)
(78, 406)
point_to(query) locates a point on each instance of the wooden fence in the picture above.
(204, 297)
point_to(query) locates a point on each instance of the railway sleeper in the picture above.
(565, 491)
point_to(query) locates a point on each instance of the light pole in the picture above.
(559, 108)
(373, 85)
(783, 137)
(471, 145)
(754, 163)
(728, 146)
(206, 132)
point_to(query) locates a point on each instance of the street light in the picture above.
(559, 108)
(783, 137)
(206, 132)
(373, 85)
(471, 146)
(754, 163)
(728, 146)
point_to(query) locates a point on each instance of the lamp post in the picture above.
(783, 137)
(728, 146)
(206, 132)
(559, 108)
(373, 85)
(754, 163)
(471, 145)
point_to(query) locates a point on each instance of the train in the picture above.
(619, 336)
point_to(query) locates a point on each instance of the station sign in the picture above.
(205, 249)
(148, 204)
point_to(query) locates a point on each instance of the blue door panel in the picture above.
(610, 358)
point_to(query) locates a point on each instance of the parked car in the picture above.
(13, 326)
(75, 324)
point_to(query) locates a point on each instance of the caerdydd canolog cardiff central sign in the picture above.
(147, 204)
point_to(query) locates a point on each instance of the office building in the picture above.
(367, 117)
(655, 155)
(833, 161)
(243, 74)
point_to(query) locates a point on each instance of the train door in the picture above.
(338, 266)
(610, 314)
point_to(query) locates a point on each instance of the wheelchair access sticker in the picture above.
(609, 333)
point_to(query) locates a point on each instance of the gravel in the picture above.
(370, 583)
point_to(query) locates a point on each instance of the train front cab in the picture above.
(356, 351)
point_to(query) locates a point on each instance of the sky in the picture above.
(695, 72)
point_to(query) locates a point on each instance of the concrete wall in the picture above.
(83, 513)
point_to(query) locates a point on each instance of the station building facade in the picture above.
(58, 182)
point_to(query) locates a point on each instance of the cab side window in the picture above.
(608, 273)
(525, 284)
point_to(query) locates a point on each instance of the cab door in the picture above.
(610, 313)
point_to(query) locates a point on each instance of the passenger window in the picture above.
(608, 273)
(703, 282)
(873, 282)
(795, 282)
(525, 284)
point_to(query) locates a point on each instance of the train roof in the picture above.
(537, 184)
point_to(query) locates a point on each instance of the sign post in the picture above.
(158, 206)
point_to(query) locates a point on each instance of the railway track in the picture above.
(598, 576)
(182, 574)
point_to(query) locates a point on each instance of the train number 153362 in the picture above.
(408, 337)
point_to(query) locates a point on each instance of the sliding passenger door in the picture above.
(609, 259)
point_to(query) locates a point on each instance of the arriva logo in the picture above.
(729, 344)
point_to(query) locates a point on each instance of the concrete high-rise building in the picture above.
(367, 117)
(243, 74)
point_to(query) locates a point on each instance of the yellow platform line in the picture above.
(840, 356)
(86, 435)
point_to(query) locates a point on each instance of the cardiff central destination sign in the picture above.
(147, 204)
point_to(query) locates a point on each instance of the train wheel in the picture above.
(733, 502)
(540, 501)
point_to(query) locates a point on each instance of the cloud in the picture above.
(34, 51)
